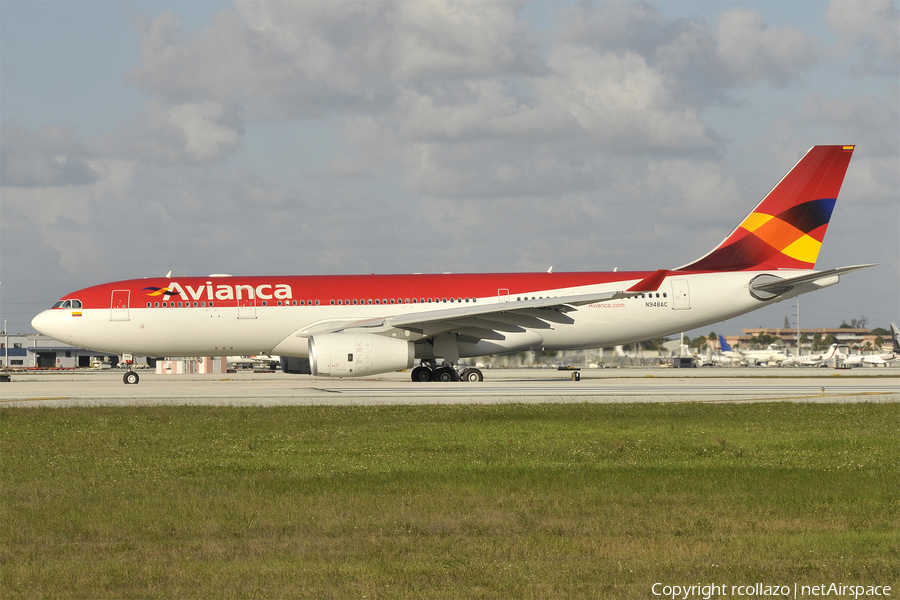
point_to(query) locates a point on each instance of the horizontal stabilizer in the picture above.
(780, 285)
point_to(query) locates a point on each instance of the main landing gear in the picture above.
(444, 373)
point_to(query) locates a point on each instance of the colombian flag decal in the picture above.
(155, 291)
(76, 313)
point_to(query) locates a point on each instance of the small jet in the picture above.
(812, 360)
(772, 354)
(877, 359)
(359, 325)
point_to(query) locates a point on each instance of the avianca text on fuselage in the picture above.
(224, 292)
(357, 325)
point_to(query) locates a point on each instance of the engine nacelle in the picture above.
(358, 354)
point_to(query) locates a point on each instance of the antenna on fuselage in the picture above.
(169, 275)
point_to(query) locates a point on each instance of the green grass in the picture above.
(508, 501)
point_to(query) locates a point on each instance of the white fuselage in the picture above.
(683, 302)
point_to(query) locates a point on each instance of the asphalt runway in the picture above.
(105, 388)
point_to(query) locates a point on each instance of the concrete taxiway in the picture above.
(105, 388)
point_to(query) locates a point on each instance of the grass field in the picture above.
(504, 501)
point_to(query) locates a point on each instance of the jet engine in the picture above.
(358, 354)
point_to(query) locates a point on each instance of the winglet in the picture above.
(651, 283)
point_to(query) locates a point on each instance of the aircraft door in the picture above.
(119, 305)
(247, 307)
(503, 295)
(681, 295)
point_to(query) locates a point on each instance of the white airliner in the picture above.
(877, 359)
(357, 325)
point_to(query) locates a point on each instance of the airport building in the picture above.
(853, 338)
(24, 351)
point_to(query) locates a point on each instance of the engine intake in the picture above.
(358, 354)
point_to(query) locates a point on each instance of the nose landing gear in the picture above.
(130, 377)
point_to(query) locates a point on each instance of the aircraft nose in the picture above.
(44, 322)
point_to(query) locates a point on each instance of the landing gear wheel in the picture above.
(445, 374)
(131, 378)
(421, 374)
(472, 375)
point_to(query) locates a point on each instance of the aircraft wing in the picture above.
(491, 321)
(483, 321)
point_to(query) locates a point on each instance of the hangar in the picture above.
(34, 351)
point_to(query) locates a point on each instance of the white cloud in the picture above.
(618, 100)
(53, 155)
(753, 51)
(874, 27)
(188, 133)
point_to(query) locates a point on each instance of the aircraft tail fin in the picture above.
(895, 336)
(786, 229)
(723, 345)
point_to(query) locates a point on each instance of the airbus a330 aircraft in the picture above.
(357, 325)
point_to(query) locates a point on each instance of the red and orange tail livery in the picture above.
(786, 229)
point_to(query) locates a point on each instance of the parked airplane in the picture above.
(356, 325)
(259, 361)
(877, 359)
(772, 354)
(812, 359)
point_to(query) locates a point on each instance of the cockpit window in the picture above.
(68, 304)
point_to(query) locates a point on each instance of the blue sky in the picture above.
(202, 137)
